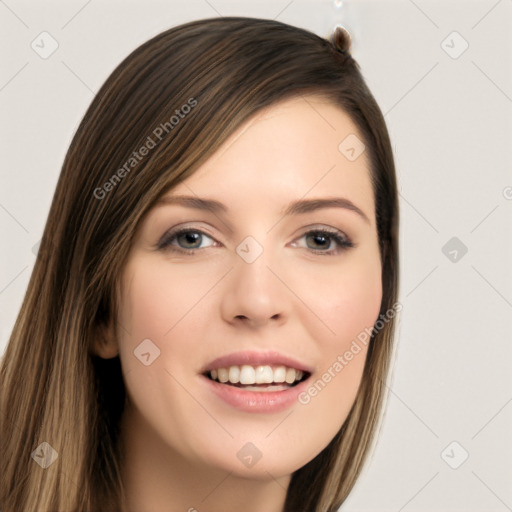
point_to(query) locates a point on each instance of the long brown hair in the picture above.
(53, 389)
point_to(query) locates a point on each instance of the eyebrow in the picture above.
(194, 202)
(309, 205)
(298, 207)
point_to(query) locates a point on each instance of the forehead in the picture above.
(292, 149)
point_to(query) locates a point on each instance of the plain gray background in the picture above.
(441, 72)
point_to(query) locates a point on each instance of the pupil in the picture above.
(190, 238)
(320, 240)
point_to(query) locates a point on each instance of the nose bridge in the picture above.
(254, 293)
(252, 270)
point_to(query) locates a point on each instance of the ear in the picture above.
(105, 344)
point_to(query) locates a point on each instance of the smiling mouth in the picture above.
(258, 378)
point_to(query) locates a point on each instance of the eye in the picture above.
(319, 241)
(185, 240)
(326, 242)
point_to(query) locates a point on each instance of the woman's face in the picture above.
(266, 279)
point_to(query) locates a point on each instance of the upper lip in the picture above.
(253, 358)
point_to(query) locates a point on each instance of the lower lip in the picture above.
(257, 401)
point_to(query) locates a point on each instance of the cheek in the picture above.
(157, 298)
(152, 305)
(344, 298)
(157, 305)
(357, 304)
(164, 306)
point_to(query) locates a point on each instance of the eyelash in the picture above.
(339, 238)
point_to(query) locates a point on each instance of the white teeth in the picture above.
(290, 376)
(223, 374)
(280, 374)
(234, 374)
(263, 374)
(247, 375)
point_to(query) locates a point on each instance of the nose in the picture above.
(253, 295)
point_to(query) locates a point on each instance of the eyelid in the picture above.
(323, 227)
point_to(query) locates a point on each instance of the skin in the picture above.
(181, 441)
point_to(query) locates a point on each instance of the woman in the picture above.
(209, 322)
